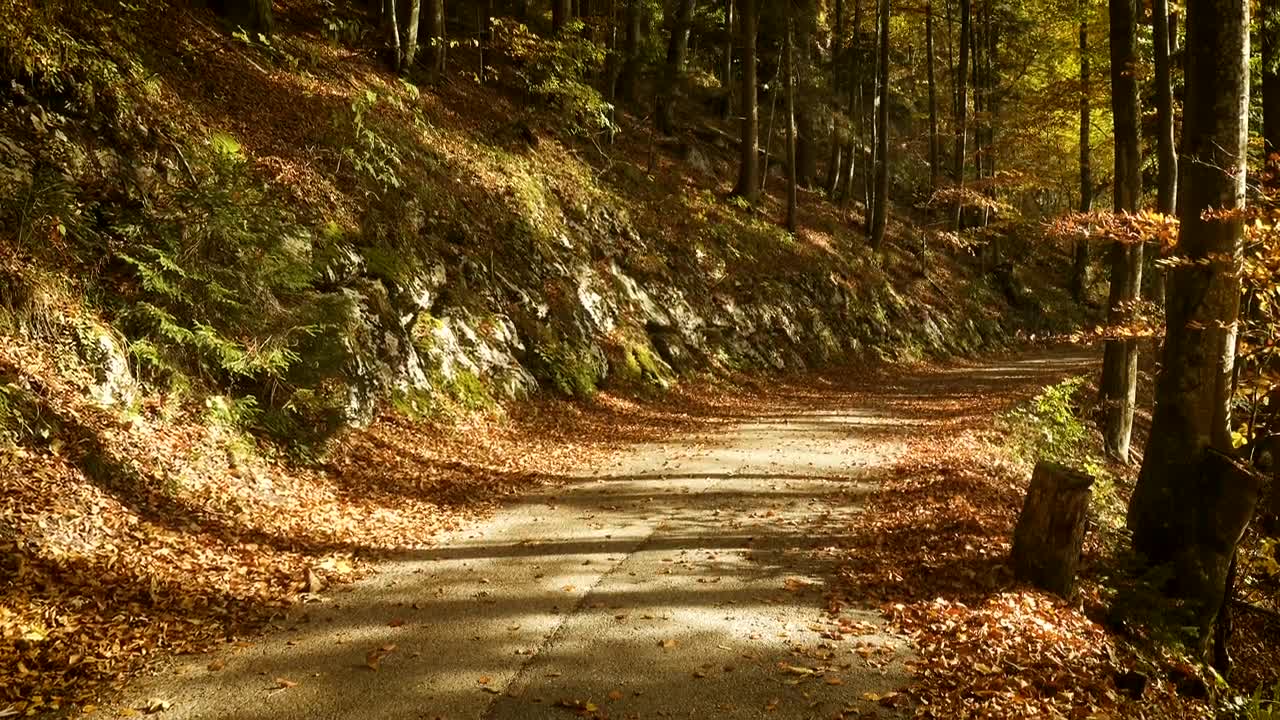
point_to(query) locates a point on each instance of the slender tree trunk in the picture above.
(252, 16)
(1270, 36)
(677, 50)
(933, 96)
(1166, 154)
(806, 132)
(1120, 358)
(962, 109)
(561, 13)
(1080, 266)
(433, 35)
(748, 186)
(854, 149)
(726, 110)
(631, 52)
(880, 216)
(835, 158)
(792, 169)
(409, 49)
(393, 30)
(1179, 513)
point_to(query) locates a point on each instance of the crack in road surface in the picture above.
(683, 581)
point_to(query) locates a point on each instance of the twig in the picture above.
(1246, 605)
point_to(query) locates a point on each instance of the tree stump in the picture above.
(1050, 534)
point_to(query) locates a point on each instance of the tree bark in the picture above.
(1182, 510)
(1049, 537)
(1120, 358)
(1166, 155)
(727, 83)
(880, 213)
(806, 132)
(835, 158)
(962, 108)
(1270, 37)
(793, 171)
(1080, 264)
(393, 33)
(677, 50)
(631, 52)
(252, 16)
(561, 13)
(933, 96)
(748, 186)
(434, 35)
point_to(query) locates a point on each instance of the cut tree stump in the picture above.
(1050, 533)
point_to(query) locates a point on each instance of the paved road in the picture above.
(684, 581)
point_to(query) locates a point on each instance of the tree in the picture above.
(880, 212)
(435, 35)
(836, 158)
(1269, 33)
(961, 107)
(252, 16)
(1119, 383)
(790, 81)
(1180, 512)
(1166, 155)
(933, 96)
(561, 13)
(677, 49)
(806, 132)
(726, 107)
(1080, 265)
(409, 49)
(748, 186)
(631, 51)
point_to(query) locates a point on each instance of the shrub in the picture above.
(558, 70)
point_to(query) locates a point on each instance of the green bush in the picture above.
(559, 70)
(222, 276)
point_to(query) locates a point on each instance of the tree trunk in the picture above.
(933, 96)
(409, 48)
(252, 16)
(393, 32)
(726, 109)
(1049, 537)
(1270, 36)
(561, 12)
(835, 158)
(880, 214)
(1166, 154)
(1185, 509)
(631, 52)
(748, 186)
(1120, 358)
(792, 170)
(434, 35)
(962, 108)
(806, 132)
(677, 50)
(1080, 266)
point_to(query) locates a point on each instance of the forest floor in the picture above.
(823, 546)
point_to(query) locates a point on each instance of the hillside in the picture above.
(269, 309)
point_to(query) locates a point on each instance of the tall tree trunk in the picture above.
(1166, 154)
(1270, 36)
(1080, 266)
(962, 108)
(677, 50)
(806, 132)
(631, 52)
(1167, 512)
(880, 215)
(409, 48)
(561, 12)
(793, 173)
(1120, 358)
(392, 29)
(252, 16)
(933, 96)
(433, 34)
(854, 149)
(835, 158)
(726, 109)
(748, 186)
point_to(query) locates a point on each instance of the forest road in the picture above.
(684, 581)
